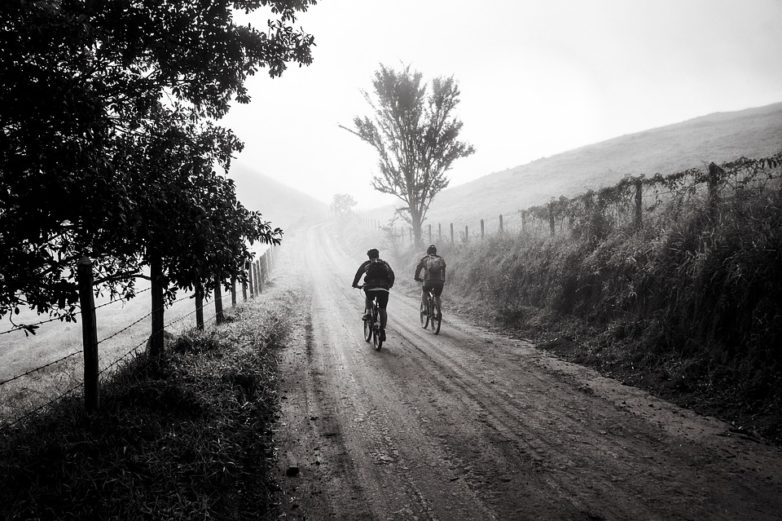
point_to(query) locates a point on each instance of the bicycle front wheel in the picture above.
(424, 316)
(436, 318)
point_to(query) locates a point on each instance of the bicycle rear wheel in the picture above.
(436, 318)
(424, 315)
(367, 330)
(376, 339)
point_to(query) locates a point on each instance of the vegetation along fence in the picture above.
(626, 205)
(258, 274)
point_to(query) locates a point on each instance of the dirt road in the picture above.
(474, 425)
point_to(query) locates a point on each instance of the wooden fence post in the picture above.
(439, 232)
(199, 304)
(501, 224)
(89, 332)
(430, 234)
(452, 234)
(219, 317)
(713, 184)
(251, 278)
(551, 217)
(638, 203)
(523, 220)
(482, 230)
(466, 234)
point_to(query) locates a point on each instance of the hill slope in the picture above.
(283, 206)
(718, 137)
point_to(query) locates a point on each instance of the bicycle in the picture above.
(431, 314)
(372, 324)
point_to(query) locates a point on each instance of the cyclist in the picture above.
(434, 275)
(378, 279)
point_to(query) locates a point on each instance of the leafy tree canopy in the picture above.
(80, 157)
(342, 204)
(416, 135)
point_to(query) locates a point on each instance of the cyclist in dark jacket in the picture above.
(378, 279)
(433, 267)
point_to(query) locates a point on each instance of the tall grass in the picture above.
(187, 439)
(695, 300)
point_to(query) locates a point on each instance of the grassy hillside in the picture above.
(283, 206)
(717, 137)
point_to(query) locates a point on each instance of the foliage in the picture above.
(186, 202)
(82, 84)
(415, 133)
(342, 204)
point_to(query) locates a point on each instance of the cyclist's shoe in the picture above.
(383, 335)
(366, 316)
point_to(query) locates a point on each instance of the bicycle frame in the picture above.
(430, 312)
(372, 326)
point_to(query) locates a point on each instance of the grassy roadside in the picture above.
(188, 439)
(688, 309)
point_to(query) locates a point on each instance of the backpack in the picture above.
(435, 267)
(377, 271)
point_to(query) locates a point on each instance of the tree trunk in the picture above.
(219, 316)
(199, 302)
(89, 335)
(157, 290)
(416, 221)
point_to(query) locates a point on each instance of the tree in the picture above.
(415, 133)
(82, 84)
(342, 204)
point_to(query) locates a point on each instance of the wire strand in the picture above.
(121, 300)
(18, 328)
(41, 367)
(35, 411)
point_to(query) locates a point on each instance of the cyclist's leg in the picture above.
(382, 302)
(368, 296)
(437, 290)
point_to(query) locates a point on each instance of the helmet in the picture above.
(373, 253)
(431, 250)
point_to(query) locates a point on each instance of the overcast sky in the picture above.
(537, 78)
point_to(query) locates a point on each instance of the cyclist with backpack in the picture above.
(378, 279)
(433, 267)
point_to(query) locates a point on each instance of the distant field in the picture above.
(54, 340)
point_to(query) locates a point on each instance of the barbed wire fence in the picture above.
(627, 204)
(259, 273)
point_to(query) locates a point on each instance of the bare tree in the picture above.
(415, 134)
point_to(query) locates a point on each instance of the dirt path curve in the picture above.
(474, 425)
